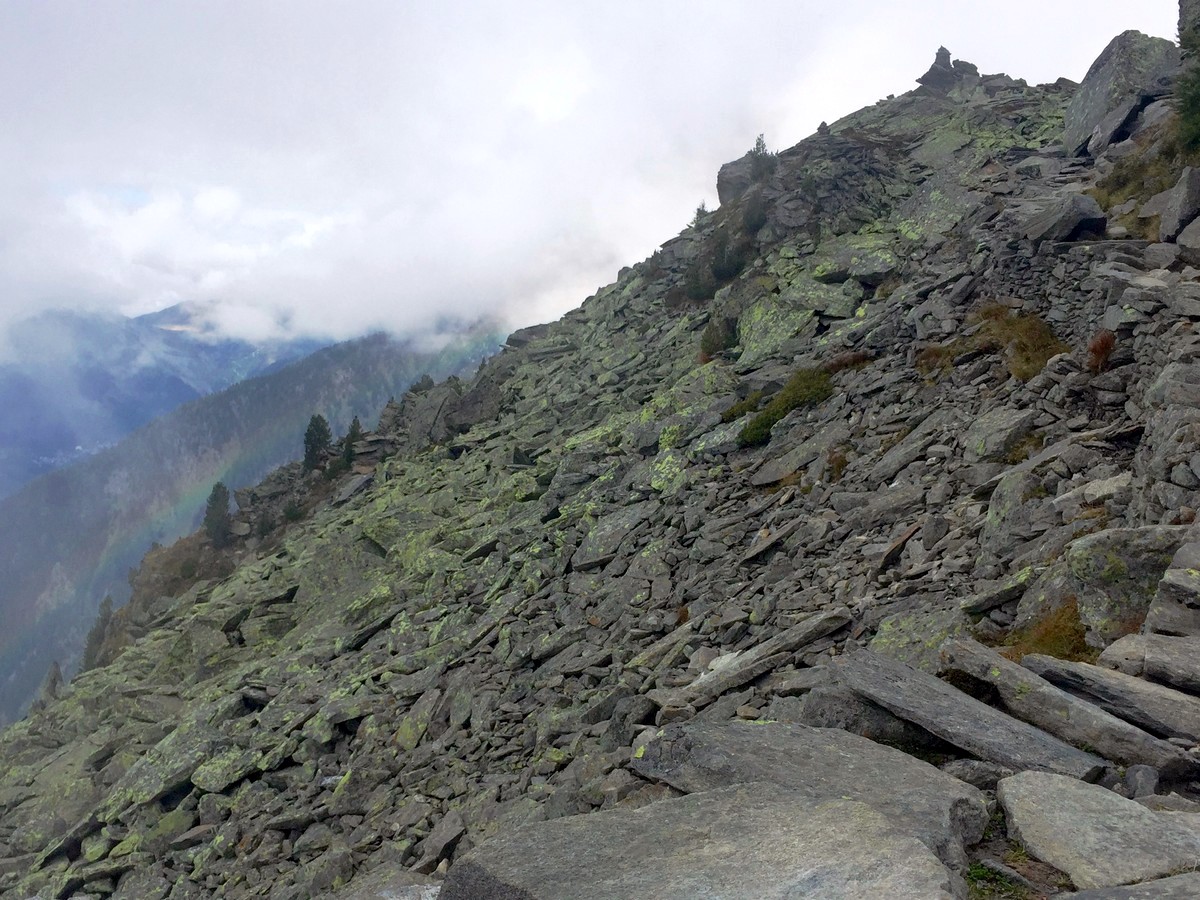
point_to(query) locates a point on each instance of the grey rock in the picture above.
(735, 669)
(1057, 712)
(606, 536)
(1173, 661)
(823, 764)
(1115, 576)
(747, 841)
(800, 455)
(1177, 887)
(983, 775)
(734, 179)
(1142, 781)
(994, 434)
(1097, 837)
(1157, 709)
(1182, 205)
(1127, 654)
(1189, 16)
(961, 720)
(1066, 218)
(1131, 68)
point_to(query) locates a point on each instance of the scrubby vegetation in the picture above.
(1028, 342)
(1187, 94)
(317, 438)
(1100, 348)
(718, 336)
(807, 387)
(1059, 633)
(762, 160)
(739, 409)
(216, 515)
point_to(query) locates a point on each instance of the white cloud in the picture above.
(335, 168)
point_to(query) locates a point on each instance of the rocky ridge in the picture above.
(570, 637)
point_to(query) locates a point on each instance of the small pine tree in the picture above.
(1187, 94)
(96, 635)
(216, 515)
(316, 441)
(353, 436)
(762, 160)
(701, 212)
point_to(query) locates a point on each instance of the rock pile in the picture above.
(571, 636)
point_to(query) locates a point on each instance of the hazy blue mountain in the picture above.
(73, 383)
(71, 536)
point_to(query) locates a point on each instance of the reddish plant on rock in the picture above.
(1100, 348)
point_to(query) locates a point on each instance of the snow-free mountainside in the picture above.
(846, 547)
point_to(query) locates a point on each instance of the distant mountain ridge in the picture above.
(70, 537)
(73, 383)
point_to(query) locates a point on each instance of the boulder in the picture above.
(1097, 837)
(1182, 205)
(757, 840)
(1065, 218)
(1133, 69)
(941, 77)
(961, 720)
(1152, 707)
(994, 434)
(1174, 661)
(1052, 709)
(1177, 887)
(734, 179)
(1115, 575)
(822, 764)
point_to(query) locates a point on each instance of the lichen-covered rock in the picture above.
(1132, 68)
(754, 840)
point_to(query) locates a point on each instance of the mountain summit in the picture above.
(656, 603)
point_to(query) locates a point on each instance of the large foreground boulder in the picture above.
(1097, 837)
(1133, 69)
(823, 764)
(756, 840)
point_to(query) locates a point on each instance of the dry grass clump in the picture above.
(1100, 349)
(851, 359)
(1027, 342)
(1059, 633)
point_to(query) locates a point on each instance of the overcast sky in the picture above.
(329, 168)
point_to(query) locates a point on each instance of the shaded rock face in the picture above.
(551, 597)
(1133, 70)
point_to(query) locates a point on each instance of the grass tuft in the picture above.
(1059, 633)
(1028, 342)
(807, 387)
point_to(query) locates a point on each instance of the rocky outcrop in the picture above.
(1132, 72)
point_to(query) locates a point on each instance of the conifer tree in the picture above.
(1187, 93)
(96, 635)
(353, 436)
(216, 515)
(316, 441)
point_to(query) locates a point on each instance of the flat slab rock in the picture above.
(756, 840)
(1096, 836)
(1153, 707)
(961, 720)
(388, 883)
(1177, 887)
(822, 764)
